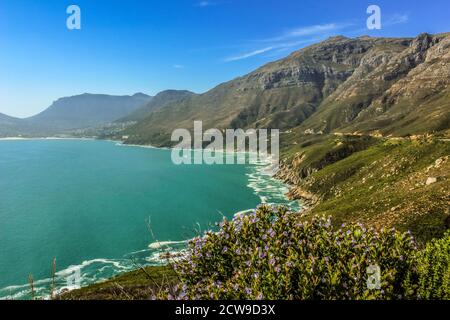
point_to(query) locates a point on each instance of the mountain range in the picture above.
(365, 85)
(377, 86)
(76, 112)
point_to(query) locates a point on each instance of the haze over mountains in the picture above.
(81, 111)
(89, 111)
(377, 86)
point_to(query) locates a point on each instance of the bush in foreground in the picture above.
(430, 277)
(271, 254)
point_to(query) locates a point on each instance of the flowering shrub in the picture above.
(430, 279)
(272, 254)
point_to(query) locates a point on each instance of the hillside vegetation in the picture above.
(271, 254)
(400, 183)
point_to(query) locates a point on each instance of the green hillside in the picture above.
(385, 183)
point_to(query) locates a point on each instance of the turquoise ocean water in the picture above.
(89, 204)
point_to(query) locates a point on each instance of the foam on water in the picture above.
(162, 244)
(260, 180)
(270, 190)
(92, 271)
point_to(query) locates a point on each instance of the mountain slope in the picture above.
(281, 94)
(5, 119)
(397, 92)
(385, 183)
(8, 124)
(159, 101)
(367, 85)
(86, 110)
(76, 112)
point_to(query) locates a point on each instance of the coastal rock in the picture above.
(297, 193)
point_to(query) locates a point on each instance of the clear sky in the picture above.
(147, 46)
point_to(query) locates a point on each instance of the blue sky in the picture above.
(147, 46)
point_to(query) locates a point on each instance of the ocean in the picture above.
(101, 208)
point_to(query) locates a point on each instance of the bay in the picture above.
(102, 208)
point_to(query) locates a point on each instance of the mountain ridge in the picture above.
(8, 123)
(74, 112)
(326, 87)
(157, 102)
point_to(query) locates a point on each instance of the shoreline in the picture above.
(153, 255)
(262, 160)
(44, 138)
(287, 175)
